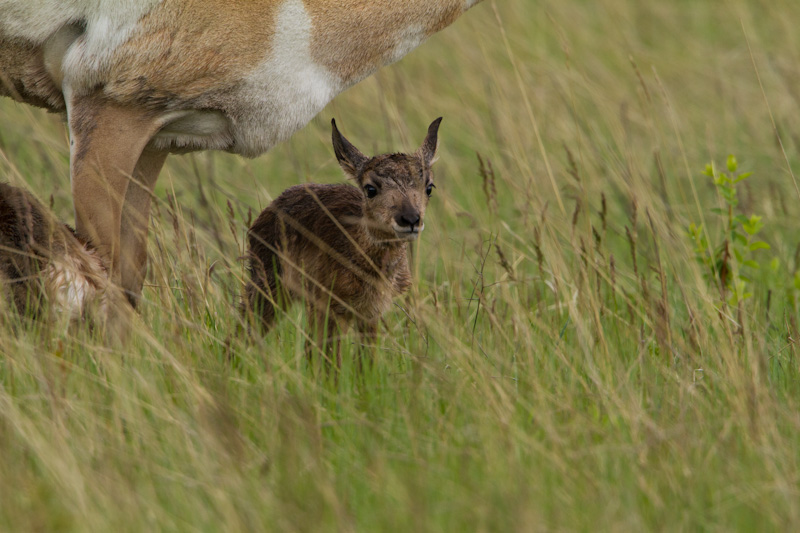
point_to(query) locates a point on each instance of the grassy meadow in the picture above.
(565, 360)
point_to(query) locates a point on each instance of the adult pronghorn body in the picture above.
(139, 79)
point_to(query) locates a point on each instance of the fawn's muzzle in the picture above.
(408, 220)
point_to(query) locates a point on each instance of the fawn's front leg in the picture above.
(326, 334)
(368, 335)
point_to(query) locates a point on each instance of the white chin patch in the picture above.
(404, 234)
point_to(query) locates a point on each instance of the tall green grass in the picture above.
(562, 362)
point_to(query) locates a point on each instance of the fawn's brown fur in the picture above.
(342, 249)
(42, 260)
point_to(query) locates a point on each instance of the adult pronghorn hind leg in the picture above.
(106, 143)
(135, 220)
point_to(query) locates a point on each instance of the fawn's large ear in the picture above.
(430, 146)
(349, 157)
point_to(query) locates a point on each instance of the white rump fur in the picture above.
(69, 287)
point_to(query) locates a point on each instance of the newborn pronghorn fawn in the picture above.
(342, 249)
(41, 260)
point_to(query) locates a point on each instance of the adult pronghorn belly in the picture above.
(259, 98)
(285, 65)
(239, 75)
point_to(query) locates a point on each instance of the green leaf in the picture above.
(732, 163)
(752, 264)
(721, 179)
(742, 177)
(718, 210)
(759, 245)
(739, 238)
(753, 227)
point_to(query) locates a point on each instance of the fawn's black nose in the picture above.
(408, 219)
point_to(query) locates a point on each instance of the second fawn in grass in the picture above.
(43, 262)
(342, 249)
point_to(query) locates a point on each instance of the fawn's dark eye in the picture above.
(429, 189)
(371, 191)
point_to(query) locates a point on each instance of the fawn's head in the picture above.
(396, 187)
